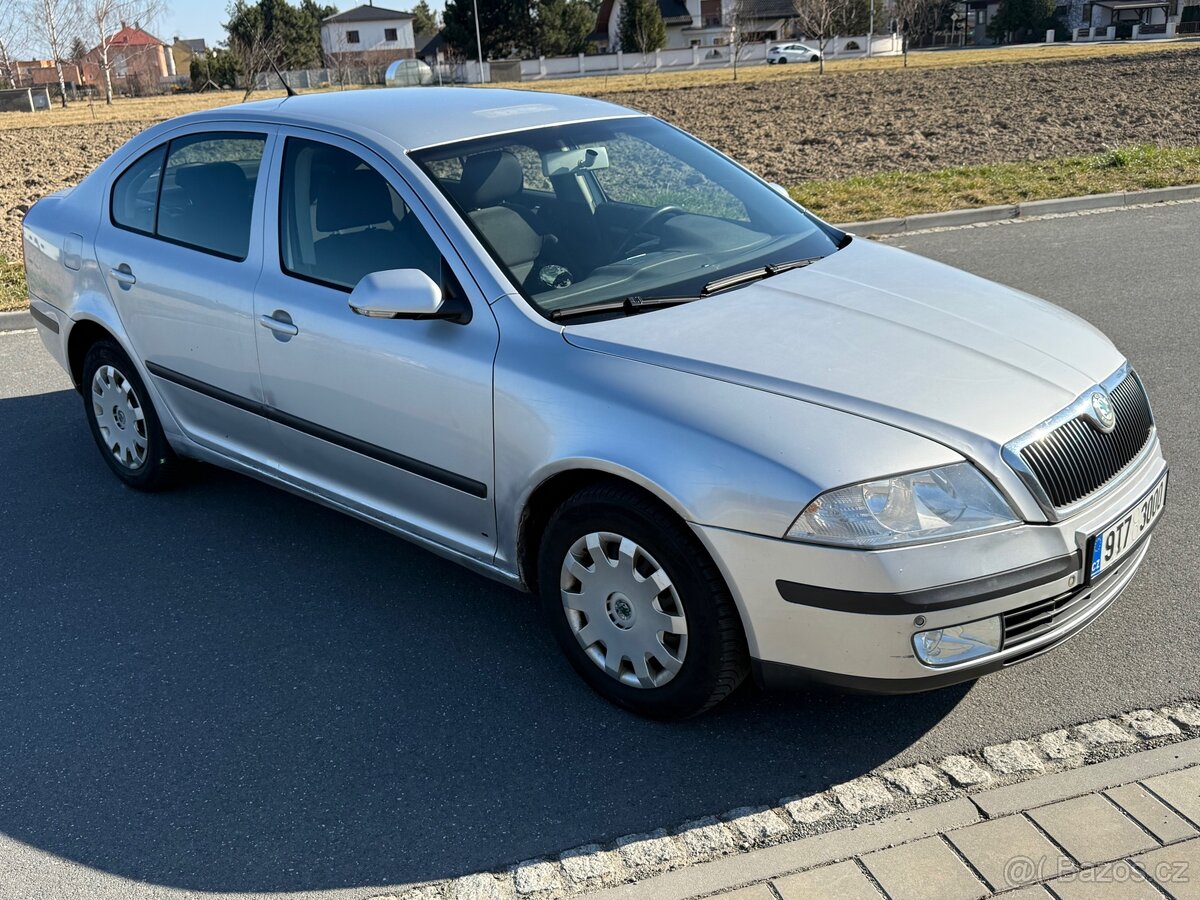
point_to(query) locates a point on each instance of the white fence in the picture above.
(691, 58)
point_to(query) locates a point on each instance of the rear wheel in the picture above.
(637, 605)
(815, 58)
(122, 420)
(782, 60)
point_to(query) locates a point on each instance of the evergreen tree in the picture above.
(294, 31)
(505, 27)
(425, 21)
(78, 49)
(641, 28)
(563, 26)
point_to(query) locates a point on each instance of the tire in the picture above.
(123, 422)
(687, 670)
(783, 60)
(815, 58)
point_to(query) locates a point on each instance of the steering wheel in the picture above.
(662, 212)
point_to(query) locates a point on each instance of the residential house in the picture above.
(705, 23)
(368, 35)
(43, 73)
(138, 62)
(184, 50)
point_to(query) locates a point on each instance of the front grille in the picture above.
(1076, 458)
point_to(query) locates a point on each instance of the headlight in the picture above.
(937, 503)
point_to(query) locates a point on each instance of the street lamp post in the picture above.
(478, 41)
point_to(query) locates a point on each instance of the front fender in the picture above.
(718, 454)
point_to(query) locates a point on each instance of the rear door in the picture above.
(181, 249)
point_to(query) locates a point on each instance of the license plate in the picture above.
(1115, 542)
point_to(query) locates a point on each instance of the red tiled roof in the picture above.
(129, 36)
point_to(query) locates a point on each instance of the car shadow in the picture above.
(228, 688)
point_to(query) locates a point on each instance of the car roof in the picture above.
(420, 116)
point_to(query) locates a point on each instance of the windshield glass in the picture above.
(593, 212)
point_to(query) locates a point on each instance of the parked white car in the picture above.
(786, 53)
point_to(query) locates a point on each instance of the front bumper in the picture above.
(850, 615)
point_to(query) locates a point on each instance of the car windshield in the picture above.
(594, 212)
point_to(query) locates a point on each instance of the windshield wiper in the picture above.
(732, 281)
(627, 305)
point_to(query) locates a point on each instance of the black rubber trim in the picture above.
(381, 454)
(44, 319)
(946, 596)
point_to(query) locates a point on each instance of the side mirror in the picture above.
(780, 190)
(404, 294)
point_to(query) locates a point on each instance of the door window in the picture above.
(339, 219)
(208, 192)
(197, 191)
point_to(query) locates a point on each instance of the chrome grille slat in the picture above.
(1076, 458)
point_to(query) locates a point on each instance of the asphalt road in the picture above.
(228, 689)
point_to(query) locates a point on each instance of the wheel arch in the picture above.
(84, 334)
(557, 487)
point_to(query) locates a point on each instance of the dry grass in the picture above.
(908, 193)
(131, 110)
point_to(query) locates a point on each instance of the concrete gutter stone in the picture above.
(1056, 206)
(18, 320)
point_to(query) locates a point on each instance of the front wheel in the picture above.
(782, 60)
(637, 605)
(123, 421)
(815, 58)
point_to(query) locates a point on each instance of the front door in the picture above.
(181, 249)
(389, 417)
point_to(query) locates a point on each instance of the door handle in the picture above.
(279, 326)
(124, 276)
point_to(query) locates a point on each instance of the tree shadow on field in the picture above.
(228, 688)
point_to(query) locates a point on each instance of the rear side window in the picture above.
(135, 195)
(197, 191)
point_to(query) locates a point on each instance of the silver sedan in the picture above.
(579, 351)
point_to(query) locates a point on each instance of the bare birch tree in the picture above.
(818, 20)
(255, 52)
(104, 19)
(914, 18)
(52, 22)
(740, 22)
(12, 39)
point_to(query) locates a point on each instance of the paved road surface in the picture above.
(225, 688)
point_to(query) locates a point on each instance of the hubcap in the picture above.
(623, 610)
(119, 417)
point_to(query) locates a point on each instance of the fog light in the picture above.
(958, 643)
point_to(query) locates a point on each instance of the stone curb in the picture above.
(19, 320)
(955, 218)
(994, 775)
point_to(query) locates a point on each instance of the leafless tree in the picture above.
(53, 23)
(255, 54)
(104, 19)
(740, 21)
(818, 20)
(12, 39)
(913, 18)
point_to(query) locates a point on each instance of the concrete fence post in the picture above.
(695, 55)
(1136, 30)
(1171, 28)
(658, 59)
(620, 61)
(542, 66)
(580, 63)
(1111, 33)
(1049, 35)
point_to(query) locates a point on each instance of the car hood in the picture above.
(884, 334)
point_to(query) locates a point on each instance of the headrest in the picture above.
(353, 199)
(488, 179)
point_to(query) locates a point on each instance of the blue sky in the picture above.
(203, 18)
